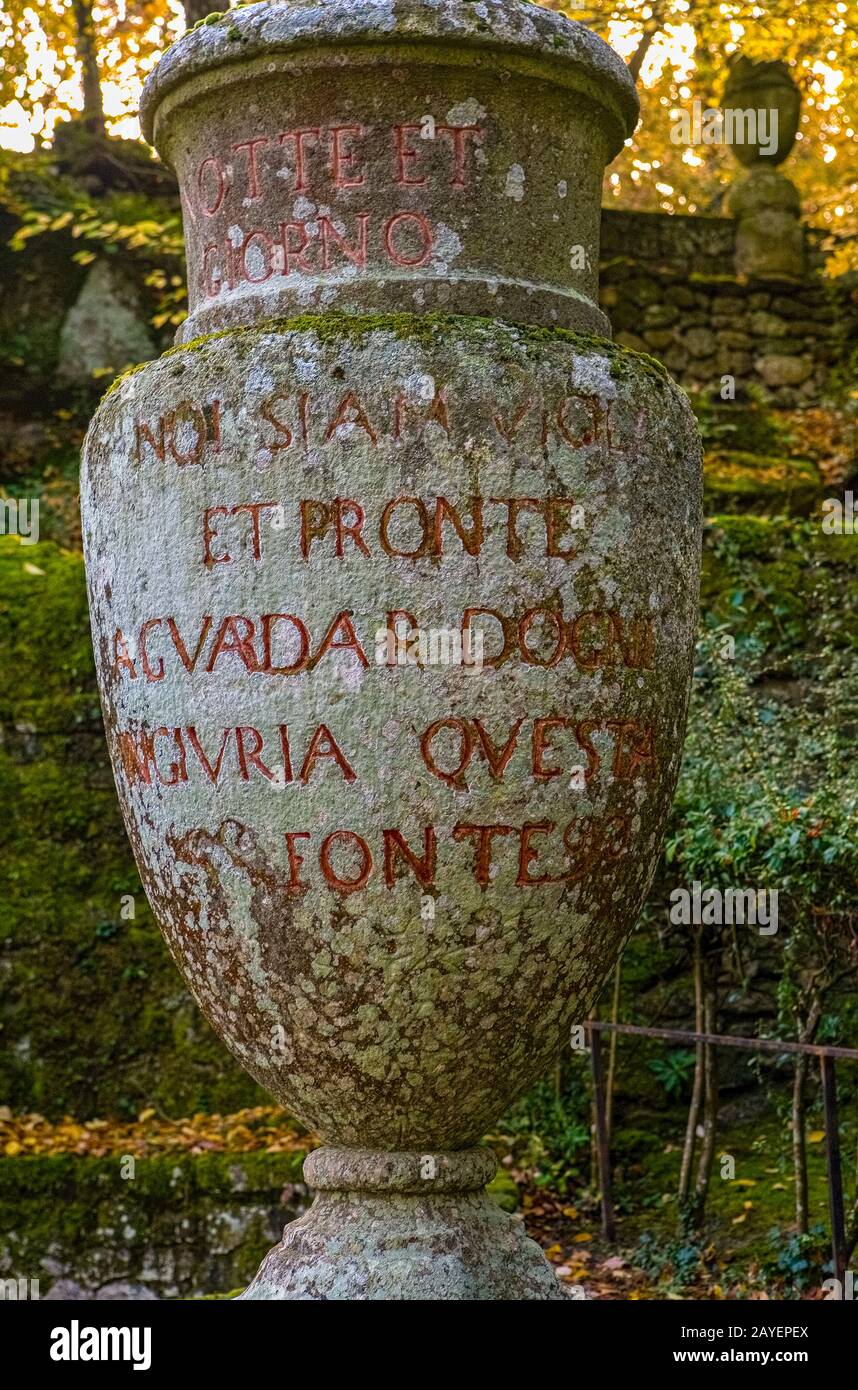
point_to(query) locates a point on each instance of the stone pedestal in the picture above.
(394, 613)
(769, 235)
(404, 1226)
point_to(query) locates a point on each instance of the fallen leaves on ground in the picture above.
(264, 1129)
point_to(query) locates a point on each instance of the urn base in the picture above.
(404, 1226)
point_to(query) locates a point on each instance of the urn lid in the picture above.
(390, 155)
(569, 52)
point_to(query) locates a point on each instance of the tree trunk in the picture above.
(799, 1148)
(710, 1109)
(806, 1034)
(637, 58)
(85, 47)
(612, 1053)
(195, 10)
(697, 1089)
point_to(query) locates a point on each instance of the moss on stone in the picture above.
(756, 580)
(179, 1223)
(735, 479)
(426, 329)
(95, 1019)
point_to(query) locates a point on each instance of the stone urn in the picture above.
(768, 88)
(765, 203)
(393, 573)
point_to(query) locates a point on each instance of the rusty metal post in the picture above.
(602, 1144)
(835, 1176)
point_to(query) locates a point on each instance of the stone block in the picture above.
(700, 342)
(781, 370)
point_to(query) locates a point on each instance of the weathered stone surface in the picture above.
(679, 295)
(660, 315)
(729, 306)
(436, 136)
(181, 1228)
(767, 86)
(404, 1226)
(632, 340)
(730, 338)
(734, 360)
(659, 338)
(104, 330)
(700, 342)
(67, 1291)
(362, 985)
(765, 324)
(781, 370)
(769, 237)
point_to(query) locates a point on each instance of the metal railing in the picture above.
(828, 1056)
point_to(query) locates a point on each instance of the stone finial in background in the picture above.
(766, 204)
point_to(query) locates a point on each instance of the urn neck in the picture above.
(375, 157)
(408, 1174)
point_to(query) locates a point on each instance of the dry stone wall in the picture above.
(669, 287)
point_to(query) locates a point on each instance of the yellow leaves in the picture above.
(239, 1137)
(146, 228)
(744, 1182)
(30, 568)
(571, 1213)
(38, 223)
(581, 1237)
(261, 1128)
(816, 1136)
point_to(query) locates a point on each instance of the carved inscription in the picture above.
(281, 199)
(304, 646)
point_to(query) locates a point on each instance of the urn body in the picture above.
(394, 624)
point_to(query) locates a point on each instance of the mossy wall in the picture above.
(669, 286)
(95, 1017)
(180, 1227)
